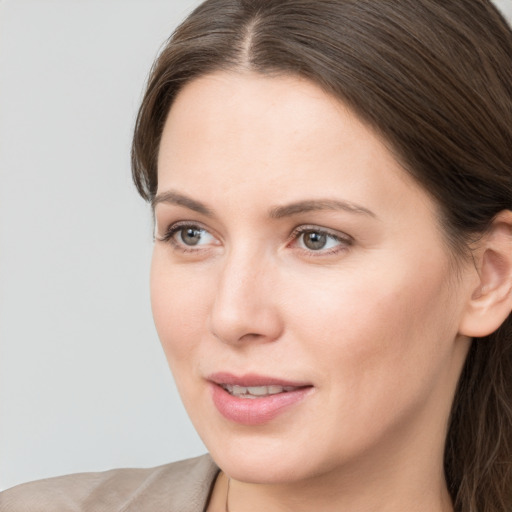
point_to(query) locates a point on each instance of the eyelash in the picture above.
(168, 237)
(344, 241)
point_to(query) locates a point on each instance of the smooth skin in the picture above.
(291, 243)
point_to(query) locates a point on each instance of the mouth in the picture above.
(253, 399)
(252, 392)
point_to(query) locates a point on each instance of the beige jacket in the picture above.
(183, 486)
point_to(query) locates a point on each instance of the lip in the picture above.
(252, 379)
(257, 411)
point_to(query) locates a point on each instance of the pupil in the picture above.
(314, 240)
(191, 236)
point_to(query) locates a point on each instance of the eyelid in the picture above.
(175, 227)
(328, 231)
(344, 239)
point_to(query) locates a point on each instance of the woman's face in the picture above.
(301, 286)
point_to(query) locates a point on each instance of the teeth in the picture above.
(255, 391)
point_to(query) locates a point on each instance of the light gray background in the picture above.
(84, 385)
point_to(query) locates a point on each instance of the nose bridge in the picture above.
(243, 307)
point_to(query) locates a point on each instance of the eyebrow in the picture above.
(176, 198)
(318, 205)
(277, 212)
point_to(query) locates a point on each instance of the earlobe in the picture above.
(491, 300)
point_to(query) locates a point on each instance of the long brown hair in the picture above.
(434, 78)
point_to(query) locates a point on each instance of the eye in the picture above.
(192, 235)
(188, 236)
(318, 240)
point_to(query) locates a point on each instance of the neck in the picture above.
(375, 497)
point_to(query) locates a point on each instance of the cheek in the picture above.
(179, 303)
(373, 327)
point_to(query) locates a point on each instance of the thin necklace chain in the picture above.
(226, 508)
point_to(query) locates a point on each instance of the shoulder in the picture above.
(180, 486)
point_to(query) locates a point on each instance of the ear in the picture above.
(491, 299)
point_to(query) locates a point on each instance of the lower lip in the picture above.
(255, 411)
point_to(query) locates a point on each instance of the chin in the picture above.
(260, 471)
(263, 460)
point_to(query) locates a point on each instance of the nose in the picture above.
(244, 307)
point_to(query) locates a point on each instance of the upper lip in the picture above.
(252, 379)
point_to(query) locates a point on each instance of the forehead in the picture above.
(234, 112)
(280, 137)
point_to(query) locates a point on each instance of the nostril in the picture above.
(240, 330)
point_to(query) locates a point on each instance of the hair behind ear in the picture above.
(478, 452)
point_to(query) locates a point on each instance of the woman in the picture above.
(332, 274)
